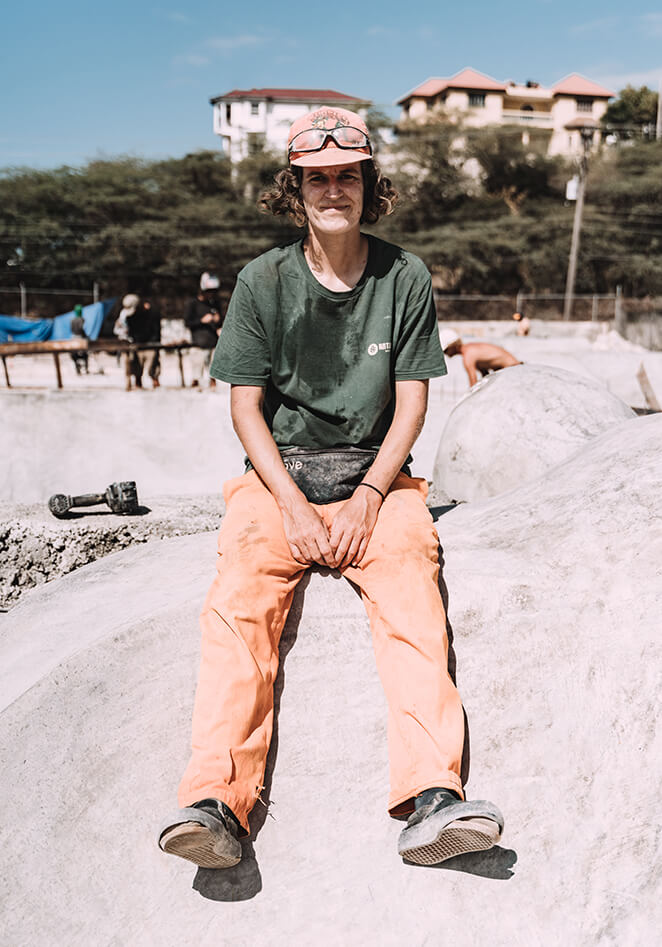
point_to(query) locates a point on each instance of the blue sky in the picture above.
(86, 79)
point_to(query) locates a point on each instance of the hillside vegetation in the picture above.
(490, 217)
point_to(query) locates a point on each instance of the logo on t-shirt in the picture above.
(382, 347)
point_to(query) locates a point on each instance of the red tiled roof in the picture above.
(304, 95)
(465, 79)
(427, 89)
(578, 85)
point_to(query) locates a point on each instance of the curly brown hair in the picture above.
(284, 199)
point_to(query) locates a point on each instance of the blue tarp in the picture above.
(15, 329)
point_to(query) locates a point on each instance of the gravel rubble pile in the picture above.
(35, 547)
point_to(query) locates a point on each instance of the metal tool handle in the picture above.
(88, 499)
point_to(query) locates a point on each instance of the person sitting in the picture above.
(483, 357)
(328, 345)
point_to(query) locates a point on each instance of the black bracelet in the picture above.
(364, 484)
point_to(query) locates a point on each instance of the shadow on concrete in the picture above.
(497, 863)
(244, 881)
(78, 514)
(452, 670)
(437, 511)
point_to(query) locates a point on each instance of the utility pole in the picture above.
(658, 125)
(586, 128)
(574, 243)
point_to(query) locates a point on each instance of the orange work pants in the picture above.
(244, 615)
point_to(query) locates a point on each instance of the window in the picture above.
(255, 108)
(477, 100)
(256, 143)
(228, 113)
(584, 105)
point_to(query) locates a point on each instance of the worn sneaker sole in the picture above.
(198, 844)
(456, 838)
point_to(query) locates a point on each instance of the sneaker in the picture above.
(443, 826)
(205, 833)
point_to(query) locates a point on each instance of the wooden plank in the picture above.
(38, 348)
(58, 372)
(87, 345)
(647, 389)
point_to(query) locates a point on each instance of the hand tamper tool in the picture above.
(120, 497)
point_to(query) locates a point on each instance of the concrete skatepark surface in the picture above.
(168, 441)
(554, 592)
(515, 424)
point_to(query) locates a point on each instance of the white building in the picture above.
(476, 100)
(250, 120)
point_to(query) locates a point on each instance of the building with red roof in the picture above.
(552, 113)
(250, 120)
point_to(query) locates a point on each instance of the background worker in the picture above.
(483, 357)
(139, 322)
(523, 323)
(77, 326)
(328, 345)
(145, 326)
(204, 320)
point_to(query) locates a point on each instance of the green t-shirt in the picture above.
(329, 361)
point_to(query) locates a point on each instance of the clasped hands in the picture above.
(210, 317)
(345, 543)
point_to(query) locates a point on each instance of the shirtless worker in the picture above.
(480, 357)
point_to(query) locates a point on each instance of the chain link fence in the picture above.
(638, 320)
(37, 303)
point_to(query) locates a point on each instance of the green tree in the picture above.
(632, 114)
(146, 226)
(154, 226)
(428, 173)
(622, 234)
(510, 169)
(380, 126)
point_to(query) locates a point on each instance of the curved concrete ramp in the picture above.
(554, 596)
(169, 442)
(516, 424)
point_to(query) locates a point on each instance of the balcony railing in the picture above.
(536, 118)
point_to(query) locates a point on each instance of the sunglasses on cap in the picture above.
(314, 139)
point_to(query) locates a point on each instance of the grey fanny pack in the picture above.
(325, 476)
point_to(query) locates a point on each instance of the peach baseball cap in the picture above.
(329, 119)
